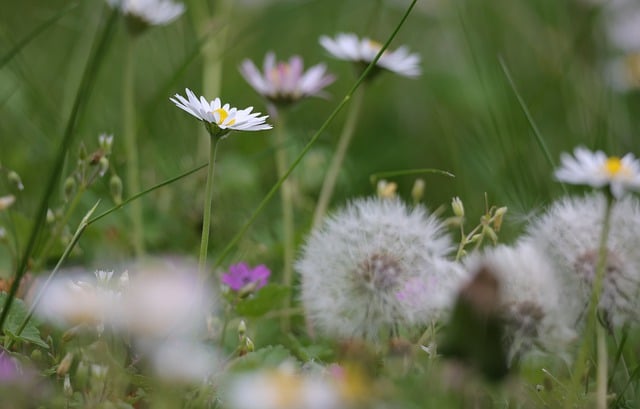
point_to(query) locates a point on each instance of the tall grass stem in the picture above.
(206, 211)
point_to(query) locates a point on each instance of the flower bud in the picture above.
(14, 179)
(105, 141)
(457, 207)
(498, 216)
(491, 233)
(51, 217)
(250, 347)
(115, 186)
(65, 364)
(82, 153)
(386, 190)
(242, 330)
(69, 188)
(104, 165)
(66, 387)
(6, 201)
(417, 192)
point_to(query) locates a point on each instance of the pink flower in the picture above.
(241, 275)
(283, 82)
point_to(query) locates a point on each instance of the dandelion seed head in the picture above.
(360, 268)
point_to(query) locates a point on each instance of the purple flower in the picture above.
(241, 275)
(284, 82)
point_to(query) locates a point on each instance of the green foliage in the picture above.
(30, 334)
(266, 299)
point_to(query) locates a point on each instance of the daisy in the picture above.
(144, 13)
(347, 46)
(373, 266)
(283, 82)
(597, 170)
(220, 119)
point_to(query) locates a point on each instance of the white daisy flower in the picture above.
(624, 72)
(597, 170)
(285, 82)
(569, 235)
(220, 119)
(149, 12)
(373, 266)
(347, 46)
(531, 303)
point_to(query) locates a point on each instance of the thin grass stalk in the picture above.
(286, 198)
(329, 183)
(313, 139)
(86, 86)
(35, 33)
(70, 246)
(131, 148)
(206, 216)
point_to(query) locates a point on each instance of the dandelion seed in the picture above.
(569, 234)
(359, 268)
(597, 170)
(286, 82)
(347, 46)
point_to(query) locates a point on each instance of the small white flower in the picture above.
(360, 269)
(569, 235)
(181, 360)
(597, 170)
(222, 118)
(286, 82)
(624, 72)
(149, 12)
(347, 46)
(531, 302)
(623, 27)
(6, 201)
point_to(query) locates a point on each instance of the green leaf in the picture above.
(16, 316)
(263, 301)
(268, 357)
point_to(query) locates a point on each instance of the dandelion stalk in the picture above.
(601, 376)
(331, 176)
(286, 197)
(82, 95)
(313, 139)
(206, 213)
(131, 148)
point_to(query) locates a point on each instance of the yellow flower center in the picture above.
(375, 45)
(614, 166)
(223, 116)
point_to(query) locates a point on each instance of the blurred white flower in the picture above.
(360, 268)
(180, 360)
(282, 388)
(222, 119)
(7, 201)
(284, 82)
(597, 170)
(347, 46)
(569, 235)
(623, 27)
(624, 72)
(149, 12)
(531, 301)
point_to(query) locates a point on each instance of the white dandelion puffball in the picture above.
(373, 265)
(569, 234)
(531, 302)
(347, 46)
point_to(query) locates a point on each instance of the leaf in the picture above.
(267, 357)
(263, 301)
(16, 316)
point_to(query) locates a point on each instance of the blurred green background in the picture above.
(461, 115)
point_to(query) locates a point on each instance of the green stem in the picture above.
(84, 90)
(206, 212)
(601, 376)
(286, 197)
(338, 157)
(313, 140)
(131, 148)
(594, 300)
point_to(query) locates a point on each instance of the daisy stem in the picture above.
(592, 322)
(206, 213)
(131, 149)
(286, 197)
(338, 157)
